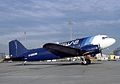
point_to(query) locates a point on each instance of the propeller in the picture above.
(100, 50)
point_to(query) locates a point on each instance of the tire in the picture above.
(88, 61)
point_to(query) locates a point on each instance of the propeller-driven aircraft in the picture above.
(84, 47)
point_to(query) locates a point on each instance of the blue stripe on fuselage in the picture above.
(78, 43)
(86, 41)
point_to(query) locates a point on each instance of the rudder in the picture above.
(16, 49)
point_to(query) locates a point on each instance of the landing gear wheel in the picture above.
(24, 63)
(85, 60)
(88, 61)
(84, 63)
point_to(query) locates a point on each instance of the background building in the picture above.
(117, 52)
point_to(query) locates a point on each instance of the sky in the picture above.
(36, 22)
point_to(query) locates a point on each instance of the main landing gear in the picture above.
(85, 60)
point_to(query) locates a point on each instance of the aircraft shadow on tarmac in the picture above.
(39, 66)
(57, 64)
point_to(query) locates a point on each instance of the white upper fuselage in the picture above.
(103, 40)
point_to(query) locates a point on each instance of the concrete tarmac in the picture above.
(104, 72)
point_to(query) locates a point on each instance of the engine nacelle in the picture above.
(91, 49)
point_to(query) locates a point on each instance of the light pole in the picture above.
(71, 30)
(25, 37)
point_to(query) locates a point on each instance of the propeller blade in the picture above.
(100, 50)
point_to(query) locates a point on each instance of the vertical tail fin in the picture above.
(16, 48)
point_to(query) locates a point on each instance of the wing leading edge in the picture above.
(63, 51)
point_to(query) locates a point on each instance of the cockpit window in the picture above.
(104, 37)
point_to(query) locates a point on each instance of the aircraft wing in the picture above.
(63, 51)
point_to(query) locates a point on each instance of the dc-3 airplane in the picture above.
(85, 48)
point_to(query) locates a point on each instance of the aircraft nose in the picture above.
(112, 40)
